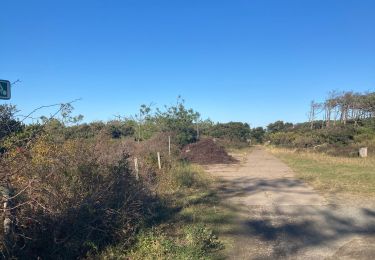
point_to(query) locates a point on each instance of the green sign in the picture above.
(4, 89)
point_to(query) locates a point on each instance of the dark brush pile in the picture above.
(206, 151)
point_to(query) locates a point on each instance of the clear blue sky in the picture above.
(252, 61)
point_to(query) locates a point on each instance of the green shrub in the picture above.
(234, 131)
(258, 134)
(195, 242)
(365, 135)
(282, 138)
(202, 238)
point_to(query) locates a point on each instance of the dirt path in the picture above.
(280, 217)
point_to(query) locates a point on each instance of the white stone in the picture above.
(363, 152)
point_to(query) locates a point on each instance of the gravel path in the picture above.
(281, 217)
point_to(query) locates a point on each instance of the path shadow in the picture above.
(290, 230)
(245, 186)
(297, 230)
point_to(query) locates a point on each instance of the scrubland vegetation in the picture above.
(71, 190)
(338, 126)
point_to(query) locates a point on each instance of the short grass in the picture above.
(332, 174)
(188, 225)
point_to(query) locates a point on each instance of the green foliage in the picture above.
(8, 122)
(66, 111)
(339, 135)
(279, 126)
(179, 120)
(310, 138)
(195, 242)
(258, 134)
(144, 123)
(365, 135)
(118, 129)
(234, 131)
(205, 126)
(154, 245)
(337, 140)
(85, 130)
(202, 238)
(282, 138)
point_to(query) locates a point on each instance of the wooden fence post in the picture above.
(169, 145)
(136, 168)
(159, 162)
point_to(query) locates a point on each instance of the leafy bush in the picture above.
(180, 121)
(234, 131)
(258, 134)
(282, 138)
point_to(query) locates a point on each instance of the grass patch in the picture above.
(186, 175)
(331, 174)
(187, 225)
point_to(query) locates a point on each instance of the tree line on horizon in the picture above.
(339, 125)
(343, 107)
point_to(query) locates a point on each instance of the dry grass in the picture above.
(331, 174)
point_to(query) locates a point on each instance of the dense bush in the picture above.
(257, 135)
(119, 129)
(311, 138)
(234, 131)
(70, 200)
(339, 140)
(282, 138)
(74, 195)
(279, 126)
(8, 123)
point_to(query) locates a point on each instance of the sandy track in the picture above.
(281, 217)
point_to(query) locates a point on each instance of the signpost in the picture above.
(4, 89)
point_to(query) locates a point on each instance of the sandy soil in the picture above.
(281, 217)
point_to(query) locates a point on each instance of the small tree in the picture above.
(143, 116)
(179, 120)
(258, 134)
(8, 122)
